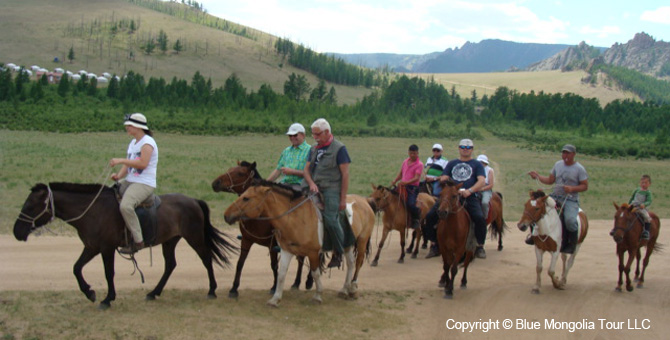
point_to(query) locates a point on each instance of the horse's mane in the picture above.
(283, 189)
(76, 187)
(449, 182)
(393, 190)
(538, 194)
(250, 165)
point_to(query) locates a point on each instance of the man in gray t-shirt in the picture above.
(570, 179)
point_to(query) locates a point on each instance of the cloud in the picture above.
(660, 15)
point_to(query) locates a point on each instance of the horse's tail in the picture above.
(216, 241)
(498, 229)
(658, 248)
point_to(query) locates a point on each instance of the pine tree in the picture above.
(70, 55)
(162, 41)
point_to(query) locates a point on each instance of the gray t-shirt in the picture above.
(567, 175)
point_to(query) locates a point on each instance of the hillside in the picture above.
(37, 31)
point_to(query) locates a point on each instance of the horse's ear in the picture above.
(373, 186)
(238, 162)
(459, 185)
(615, 205)
(253, 166)
(530, 193)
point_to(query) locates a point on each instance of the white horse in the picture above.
(540, 211)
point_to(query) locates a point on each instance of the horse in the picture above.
(295, 219)
(540, 211)
(93, 210)
(453, 234)
(627, 229)
(395, 217)
(236, 180)
(495, 219)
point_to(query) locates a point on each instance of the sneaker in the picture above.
(645, 235)
(480, 253)
(127, 250)
(335, 260)
(433, 252)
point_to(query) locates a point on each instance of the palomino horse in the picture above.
(93, 210)
(296, 221)
(495, 219)
(395, 216)
(236, 180)
(540, 211)
(627, 229)
(452, 235)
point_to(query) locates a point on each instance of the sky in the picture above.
(425, 26)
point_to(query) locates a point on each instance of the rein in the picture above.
(630, 226)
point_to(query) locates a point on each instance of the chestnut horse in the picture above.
(93, 210)
(627, 229)
(495, 219)
(395, 216)
(236, 180)
(540, 212)
(453, 235)
(295, 219)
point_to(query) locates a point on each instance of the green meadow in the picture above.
(188, 164)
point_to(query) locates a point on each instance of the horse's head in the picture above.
(624, 221)
(534, 209)
(237, 179)
(450, 200)
(380, 196)
(251, 204)
(36, 212)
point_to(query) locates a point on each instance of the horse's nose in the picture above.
(230, 219)
(522, 226)
(216, 185)
(442, 214)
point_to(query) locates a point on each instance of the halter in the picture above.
(630, 226)
(48, 203)
(243, 183)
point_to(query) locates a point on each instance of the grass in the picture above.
(188, 164)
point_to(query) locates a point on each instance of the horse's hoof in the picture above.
(640, 285)
(408, 250)
(535, 291)
(500, 248)
(618, 289)
(449, 296)
(317, 300)
(233, 295)
(353, 295)
(211, 296)
(308, 285)
(464, 287)
(629, 288)
(373, 264)
(150, 297)
(104, 306)
(91, 295)
(401, 261)
(342, 294)
(273, 303)
(441, 284)
(413, 256)
(294, 287)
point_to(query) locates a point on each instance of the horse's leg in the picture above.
(631, 257)
(296, 282)
(464, 280)
(454, 271)
(245, 246)
(381, 245)
(274, 266)
(347, 290)
(552, 269)
(285, 261)
(411, 244)
(402, 246)
(571, 261)
(86, 256)
(360, 257)
(638, 255)
(315, 268)
(538, 269)
(108, 261)
(650, 249)
(418, 233)
(621, 254)
(170, 264)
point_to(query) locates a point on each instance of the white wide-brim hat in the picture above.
(137, 120)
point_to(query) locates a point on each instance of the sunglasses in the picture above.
(436, 150)
(291, 136)
(466, 147)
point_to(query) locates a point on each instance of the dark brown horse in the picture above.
(236, 180)
(452, 237)
(627, 229)
(93, 210)
(495, 219)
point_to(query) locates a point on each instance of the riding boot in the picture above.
(335, 260)
(645, 232)
(571, 243)
(131, 249)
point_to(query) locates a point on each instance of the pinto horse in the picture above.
(93, 210)
(495, 219)
(540, 211)
(453, 231)
(236, 180)
(627, 229)
(395, 217)
(295, 220)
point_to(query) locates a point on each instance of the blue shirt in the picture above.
(464, 172)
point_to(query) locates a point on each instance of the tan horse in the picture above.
(295, 221)
(540, 211)
(395, 217)
(626, 234)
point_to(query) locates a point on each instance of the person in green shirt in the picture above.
(292, 161)
(641, 199)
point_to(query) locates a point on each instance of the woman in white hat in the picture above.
(487, 189)
(139, 171)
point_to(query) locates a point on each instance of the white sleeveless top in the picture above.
(147, 175)
(487, 169)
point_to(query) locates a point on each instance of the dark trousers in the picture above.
(412, 193)
(474, 208)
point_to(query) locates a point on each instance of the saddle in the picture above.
(146, 214)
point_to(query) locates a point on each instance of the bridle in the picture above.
(631, 224)
(49, 207)
(242, 184)
(257, 207)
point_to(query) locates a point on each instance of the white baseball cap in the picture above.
(295, 128)
(466, 142)
(437, 146)
(483, 158)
